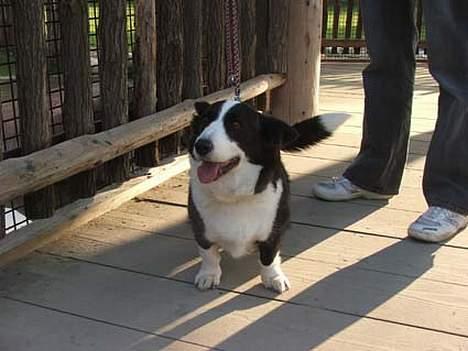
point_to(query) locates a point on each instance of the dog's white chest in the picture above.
(236, 226)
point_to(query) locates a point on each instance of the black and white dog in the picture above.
(239, 188)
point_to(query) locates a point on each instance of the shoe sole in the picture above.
(432, 238)
(360, 195)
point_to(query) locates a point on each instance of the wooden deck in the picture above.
(124, 281)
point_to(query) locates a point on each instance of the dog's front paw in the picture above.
(276, 281)
(207, 279)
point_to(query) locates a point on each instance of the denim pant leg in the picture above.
(445, 181)
(391, 37)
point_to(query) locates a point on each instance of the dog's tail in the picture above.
(315, 129)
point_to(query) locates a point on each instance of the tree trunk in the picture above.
(297, 53)
(113, 62)
(170, 68)
(145, 75)
(248, 38)
(192, 85)
(78, 117)
(31, 74)
(213, 28)
(2, 208)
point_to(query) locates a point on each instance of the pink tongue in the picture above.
(208, 172)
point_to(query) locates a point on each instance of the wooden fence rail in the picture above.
(22, 175)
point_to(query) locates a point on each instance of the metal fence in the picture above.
(10, 123)
(343, 34)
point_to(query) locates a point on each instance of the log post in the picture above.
(145, 73)
(170, 57)
(113, 63)
(248, 38)
(296, 52)
(261, 48)
(2, 208)
(78, 118)
(192, 84)
(31, 74)
(213, 28)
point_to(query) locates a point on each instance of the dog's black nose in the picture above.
(203, 147)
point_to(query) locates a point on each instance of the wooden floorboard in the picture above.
(124, 280)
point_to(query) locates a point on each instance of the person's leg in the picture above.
(391, 37)
(445, 181)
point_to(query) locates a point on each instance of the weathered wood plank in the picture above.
(27, 327)
(343, 153)
(39, 232)
(328, 168)
(113, 64)
(78, 114)
(31, 74)
(356, 216)
(317, 283)
(410, 199)
(32, 172)
(226, 321)
(145, 74)
(315, 244)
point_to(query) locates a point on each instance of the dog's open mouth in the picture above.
(211, 171)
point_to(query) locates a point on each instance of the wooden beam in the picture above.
(145, 73)
(31, 75)
(298, 99)
(78, 117)
(41, 232)
(113, 63)
(25, 174)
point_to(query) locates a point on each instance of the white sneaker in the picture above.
(437, 224)
(341, 189)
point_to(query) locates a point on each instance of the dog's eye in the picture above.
(236, 125)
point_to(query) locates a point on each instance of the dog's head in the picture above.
(227, 134)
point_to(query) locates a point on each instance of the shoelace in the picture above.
(438, 214)
(343, 182)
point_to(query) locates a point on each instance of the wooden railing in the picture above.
(131, 108)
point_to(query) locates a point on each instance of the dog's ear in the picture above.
(201, 107)
(276, 132)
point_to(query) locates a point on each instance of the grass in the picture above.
(354, 21)
(341, 23)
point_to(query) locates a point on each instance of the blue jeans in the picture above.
(388, 84)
